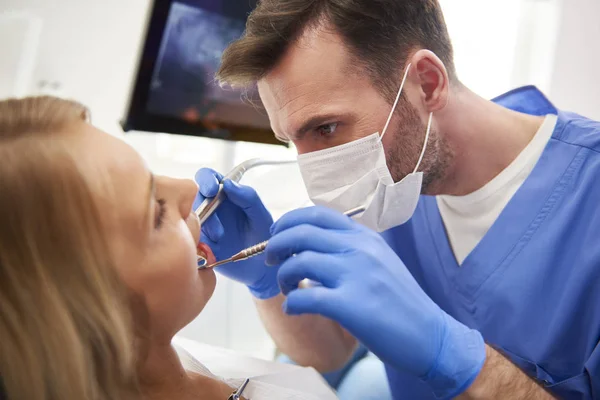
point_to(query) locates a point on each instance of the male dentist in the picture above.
(474, 271)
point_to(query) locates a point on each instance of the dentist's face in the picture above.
(317, 97)
(152, 230)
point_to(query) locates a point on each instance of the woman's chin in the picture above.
(207, 276)
(206, 284)
(208, 279)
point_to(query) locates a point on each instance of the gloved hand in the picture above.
(240, 221)
(370, 292)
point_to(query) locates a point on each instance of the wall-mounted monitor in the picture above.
(175, 90)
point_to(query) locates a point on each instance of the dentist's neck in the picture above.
(485, 139)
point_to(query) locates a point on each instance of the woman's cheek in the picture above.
(193, 225)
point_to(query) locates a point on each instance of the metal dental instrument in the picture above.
(261, 247)
(236, 395)
(210, 205)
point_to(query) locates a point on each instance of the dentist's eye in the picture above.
(326, 130)
(160, 213)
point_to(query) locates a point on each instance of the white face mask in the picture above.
(355, 174)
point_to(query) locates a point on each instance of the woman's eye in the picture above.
(326, 130)
(160, 213)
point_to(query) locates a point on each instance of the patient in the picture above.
(97, 264)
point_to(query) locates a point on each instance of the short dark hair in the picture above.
(382, 33)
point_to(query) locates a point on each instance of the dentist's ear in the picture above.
(431, 76)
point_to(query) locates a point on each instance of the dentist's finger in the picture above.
(213, 228)
(208, 186)
(318, 267)
(318, 216)
(317, 300)
(208, 182)
(247, 199)
(301, 238)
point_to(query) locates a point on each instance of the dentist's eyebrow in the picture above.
(318, 120)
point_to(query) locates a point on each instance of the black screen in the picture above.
(175, 90)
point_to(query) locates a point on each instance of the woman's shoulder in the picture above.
(268, 379)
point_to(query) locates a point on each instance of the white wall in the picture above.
(553, 44)
(576, 78)
(19, 54)
(479, 56)
(90, 48)
(503, 44)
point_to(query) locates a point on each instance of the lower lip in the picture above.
(206, 251)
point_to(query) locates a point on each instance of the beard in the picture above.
(407, 141)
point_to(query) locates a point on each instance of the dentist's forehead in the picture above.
(318, 59)
(315, 76)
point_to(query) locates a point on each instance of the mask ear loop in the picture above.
(424, 144)
(387, 123)
(395, 102)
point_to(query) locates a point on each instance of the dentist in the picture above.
(471, 273)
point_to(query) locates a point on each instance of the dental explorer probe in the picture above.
(210, 205)
(261, 247)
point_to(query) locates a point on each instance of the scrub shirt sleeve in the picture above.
(593, 369)
(583, 386)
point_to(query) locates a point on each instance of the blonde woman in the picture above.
(97, 263)
(97, 266)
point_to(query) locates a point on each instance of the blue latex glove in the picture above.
(240, 221)
(370, 292)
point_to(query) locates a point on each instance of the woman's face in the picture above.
(152, 230)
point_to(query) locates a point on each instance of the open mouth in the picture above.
(205, 255)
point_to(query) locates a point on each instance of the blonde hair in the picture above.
(64, 328)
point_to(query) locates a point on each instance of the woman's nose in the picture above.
(188, 191)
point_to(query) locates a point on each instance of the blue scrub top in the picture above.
(532, 285)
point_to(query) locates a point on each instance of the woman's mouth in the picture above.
(204, 251)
